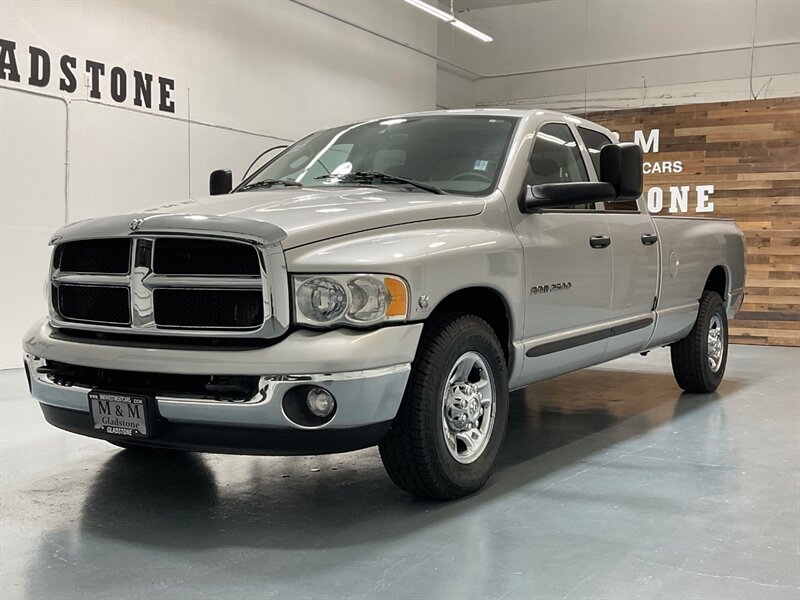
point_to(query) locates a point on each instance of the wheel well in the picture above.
(485, 303)
(717, 281)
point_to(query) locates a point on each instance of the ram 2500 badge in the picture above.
(382, 283)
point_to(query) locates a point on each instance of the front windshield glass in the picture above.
(460, 154)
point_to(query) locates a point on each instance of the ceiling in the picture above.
(462, 5)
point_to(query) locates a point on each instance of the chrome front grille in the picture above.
(172, 285)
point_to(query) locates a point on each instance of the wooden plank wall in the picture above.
(750, 152)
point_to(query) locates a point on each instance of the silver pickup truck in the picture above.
(382, 283)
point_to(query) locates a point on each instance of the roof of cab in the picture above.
(536, 113)
(494, 112)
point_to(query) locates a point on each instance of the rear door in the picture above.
(635, 256)
(567, 265)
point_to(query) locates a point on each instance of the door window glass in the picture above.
(556, 158)
(594, 140)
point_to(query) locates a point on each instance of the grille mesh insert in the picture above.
(208, 308)
(108, 256)
(93, 304)
(189, 256)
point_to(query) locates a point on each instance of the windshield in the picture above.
(461, 154)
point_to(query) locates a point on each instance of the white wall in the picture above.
(255, 73)
(665, 52)
(453, 90)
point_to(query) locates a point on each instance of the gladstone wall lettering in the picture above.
(131, 86)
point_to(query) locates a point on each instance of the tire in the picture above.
(418, 454)
(693, 362)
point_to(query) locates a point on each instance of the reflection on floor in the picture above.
(612, 484)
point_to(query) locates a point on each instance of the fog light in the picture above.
(320, 402)
(309, 405)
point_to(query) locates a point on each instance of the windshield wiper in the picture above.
(268, 183)
(384, 178)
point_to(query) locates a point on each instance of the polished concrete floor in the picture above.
(612, 484)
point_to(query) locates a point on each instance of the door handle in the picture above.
(599, 241)
(648, 239)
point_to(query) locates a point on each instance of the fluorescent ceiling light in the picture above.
(448, 18)
(436, 12)
(471, 30)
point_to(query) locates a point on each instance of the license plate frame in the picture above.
(127, 415)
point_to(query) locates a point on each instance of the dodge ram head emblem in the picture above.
(136, 223)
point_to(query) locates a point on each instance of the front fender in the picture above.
(436, 259)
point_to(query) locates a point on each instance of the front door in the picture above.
(568, 262)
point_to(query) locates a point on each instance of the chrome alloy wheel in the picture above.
(468, 409)
(716, 343)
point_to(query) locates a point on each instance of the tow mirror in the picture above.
(220, 182)
(567, 194)
(621, 166)
(621, 180)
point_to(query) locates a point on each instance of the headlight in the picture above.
(349, 299)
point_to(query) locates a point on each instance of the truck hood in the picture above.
(293, 216)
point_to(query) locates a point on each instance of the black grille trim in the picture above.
(107, 305)
(208, 308)
(192, 256)
(108, 256)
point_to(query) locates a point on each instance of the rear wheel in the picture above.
(444, 442)
(699, 359)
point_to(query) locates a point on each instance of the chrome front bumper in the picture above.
(365, 371)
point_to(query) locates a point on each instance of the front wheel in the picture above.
(444, 441)
(699, 359)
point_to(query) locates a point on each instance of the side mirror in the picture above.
(621, 166)
(567, 194)
(220, 182)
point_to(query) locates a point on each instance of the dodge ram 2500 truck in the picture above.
(382, 283)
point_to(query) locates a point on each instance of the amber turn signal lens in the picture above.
(398, 305)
